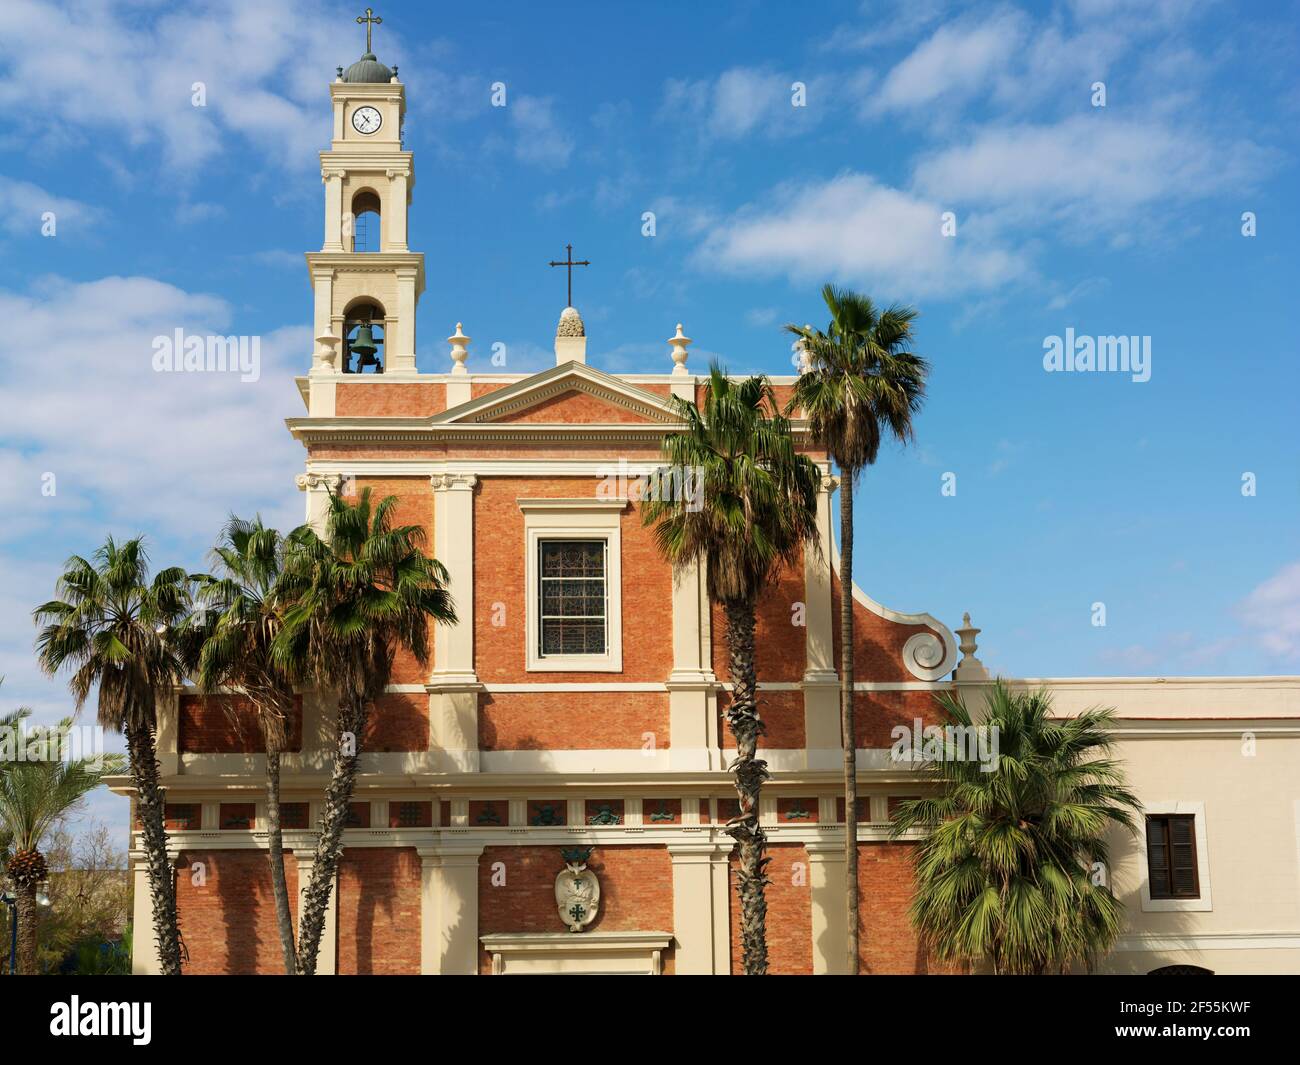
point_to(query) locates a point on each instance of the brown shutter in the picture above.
(1182, 848)
(1158, 857)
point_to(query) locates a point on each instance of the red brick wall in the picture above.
(501, 577)
(636, 892)
(399, 721)
(523, 721)
(789, 912)
(414, 507)
(887, 942)
(782, 716)
(228, 923)
(574, 408)
(877, 642)
(227, 724)
(780, 645)
(478, 389)
(396, 400)
(876, 713)
(379, 912)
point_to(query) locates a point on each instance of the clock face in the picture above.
(366, 120)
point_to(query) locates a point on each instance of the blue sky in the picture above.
(1072, 488)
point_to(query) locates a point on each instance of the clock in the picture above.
(366, 120)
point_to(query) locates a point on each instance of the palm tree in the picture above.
(860, 384)
(35, 793)
(235, 655)
(356, 598)
(1005, 874)
(758, 516)
(116, 629)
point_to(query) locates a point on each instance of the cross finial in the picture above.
(569, 263)
(370, 19)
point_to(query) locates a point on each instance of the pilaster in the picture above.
(826, 872)
(333, 180)
(144, 943)
(823, 742)
(327, 957)
(168, 739)
(449, 909)
(692, 686)
(318, 487)
(701, 923)
(453, 685)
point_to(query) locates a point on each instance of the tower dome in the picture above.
(368, 70)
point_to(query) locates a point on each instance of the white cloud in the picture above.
(1113, 164)
(71, 67)
(857, 231)
(131, 448)
(1087, 287)
(23, 204)
(742, 101)
(887, 24)
(540, 139)
(957, 59)
(1273, 611)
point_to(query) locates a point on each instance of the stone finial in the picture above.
(679, 344)
(970, 667)
(805, 360)
(571, 324)
(327, 350)
(459, 349)
(570, 337)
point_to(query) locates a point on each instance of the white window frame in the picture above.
(574, 519)
(1196, 808)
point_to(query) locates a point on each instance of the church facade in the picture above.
(550, 794)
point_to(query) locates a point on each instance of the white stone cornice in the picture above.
(552, 504)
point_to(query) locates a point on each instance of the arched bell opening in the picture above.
(363, 337)
(366, 233)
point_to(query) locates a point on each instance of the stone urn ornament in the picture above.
(577, 890)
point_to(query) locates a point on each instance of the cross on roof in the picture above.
(569, 263)
(370, 20)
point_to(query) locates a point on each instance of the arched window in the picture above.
(365, 221)
(1180, 970)
(363, 337)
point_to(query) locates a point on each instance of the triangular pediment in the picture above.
(572, 393)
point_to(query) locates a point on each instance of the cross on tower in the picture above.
(370, 20)
(569, 263)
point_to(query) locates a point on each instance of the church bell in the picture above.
(365, 346)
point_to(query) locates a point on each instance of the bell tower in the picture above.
(365, 280)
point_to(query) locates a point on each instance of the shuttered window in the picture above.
(1171, 857)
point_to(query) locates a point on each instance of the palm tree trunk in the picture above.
(334, 817)
(848, 736)
(750, 771)
(142, 752)
(26, 929)
(275, 844)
